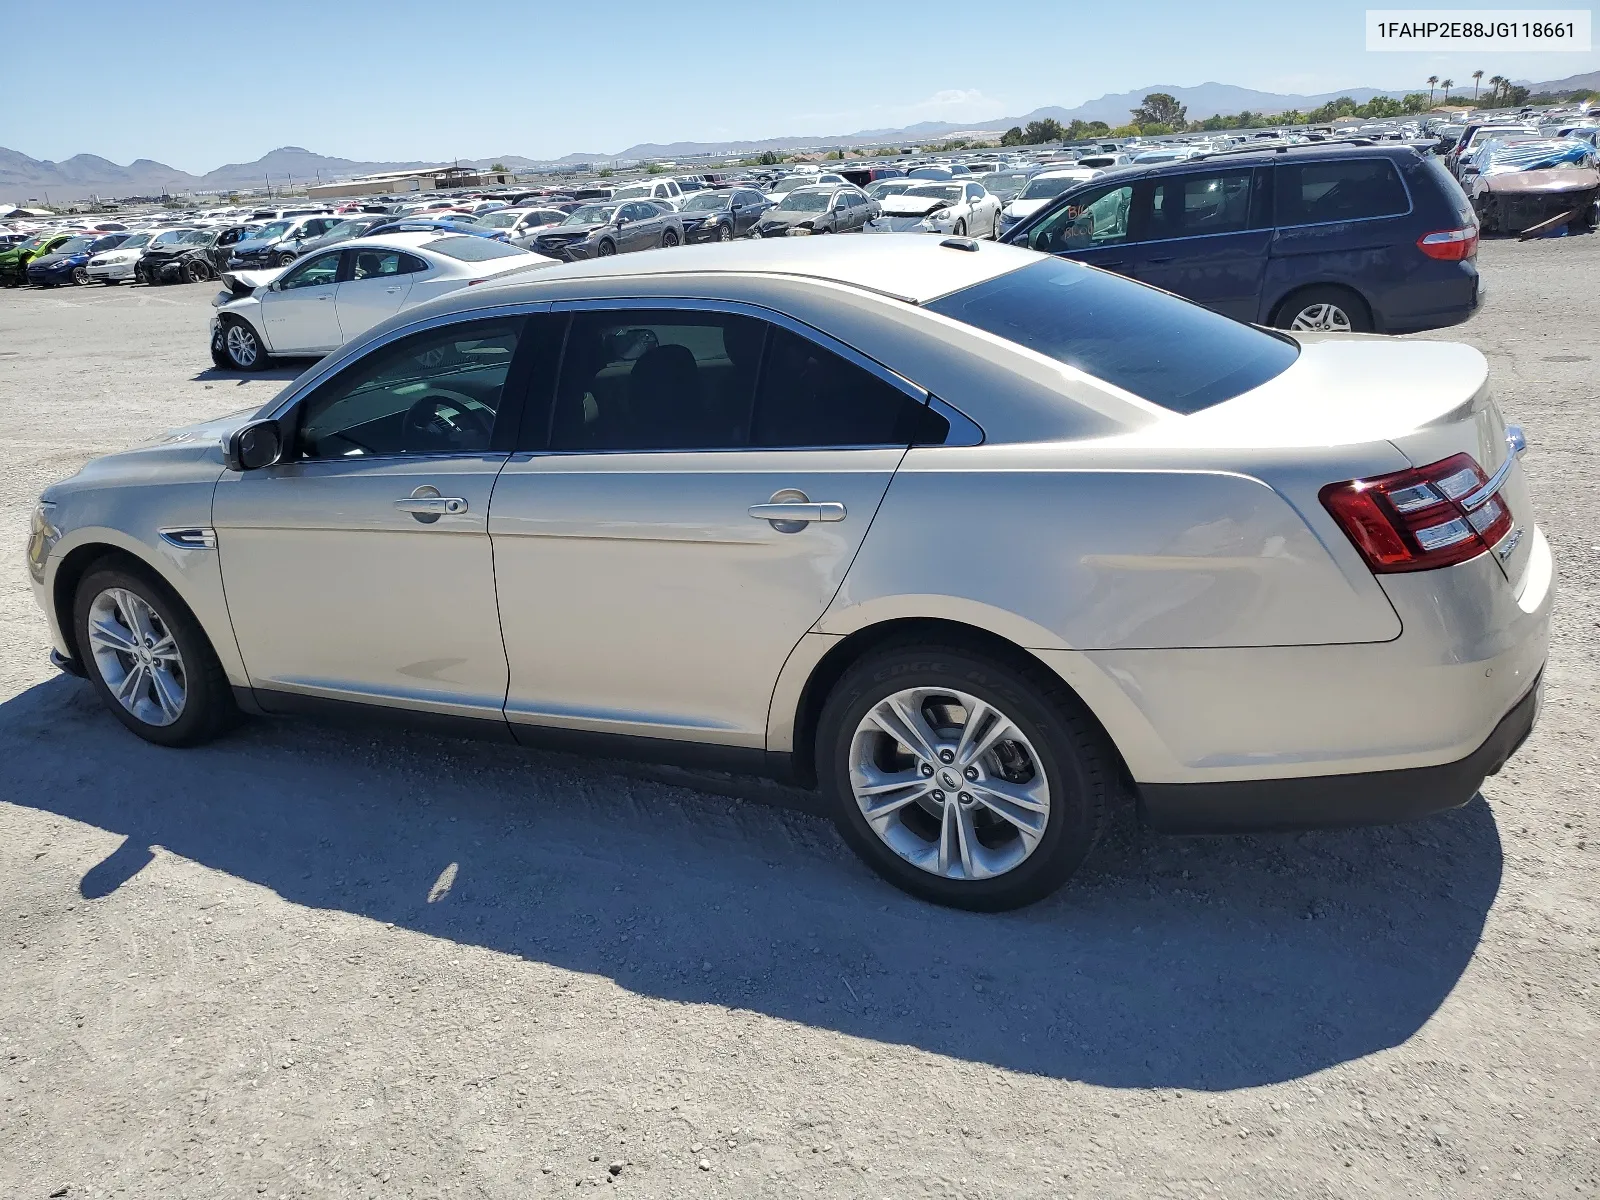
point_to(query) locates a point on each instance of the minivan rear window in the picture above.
(1344, 189)
(1163, 349)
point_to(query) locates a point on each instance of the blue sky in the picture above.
(393, 80)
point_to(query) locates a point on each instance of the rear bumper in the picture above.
(1337, 801)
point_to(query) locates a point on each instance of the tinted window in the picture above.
(657, 380)
(1194, 205)
(1344, 190)
(810, 396)
(314, 272)
(376, 264)
(1168, 351)
(430, 393)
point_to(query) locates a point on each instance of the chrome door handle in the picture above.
(432, 505)
(327, 297)
(392, 290)
(799, 512)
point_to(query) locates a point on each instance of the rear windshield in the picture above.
(473, 249)
(1165, 350)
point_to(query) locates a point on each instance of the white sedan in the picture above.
(324, 300)
(956, 207)
(116, 265)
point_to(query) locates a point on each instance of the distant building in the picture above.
(425, 179)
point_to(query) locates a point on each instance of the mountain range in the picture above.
(84, 175)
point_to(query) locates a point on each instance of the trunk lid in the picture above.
(1428, 399)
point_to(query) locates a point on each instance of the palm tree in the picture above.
(1432, 79)
(1447, 84)
(1477, 76)
(1495, 83)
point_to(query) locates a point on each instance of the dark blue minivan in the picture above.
(1329, 236)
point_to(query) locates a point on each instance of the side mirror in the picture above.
(256, 445)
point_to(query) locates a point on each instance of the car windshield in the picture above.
(196, 236)
(805, 202)
(706, 202)
(948, 191)
(137, 240)
(499, 220)
(346, 229)
(75, 245)
(1166, 350)
(172, 237)
(473, 249)
(271, 233)
(591, 214)
(890, 187)
(1005, 184)
(639, 191)
(1044, 188)
(789, 184)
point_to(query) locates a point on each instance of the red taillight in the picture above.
(1433, 516)
(1450, 245)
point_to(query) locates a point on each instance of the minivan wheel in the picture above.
(243, 346)
(1324, 309)
(962, 779)
(149, 659)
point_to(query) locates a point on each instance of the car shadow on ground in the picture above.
(1189, 963)
(279, 370)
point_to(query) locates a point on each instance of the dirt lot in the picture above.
(306, 962)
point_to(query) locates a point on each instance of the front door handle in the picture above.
(432, 505)
(1159, 260)
(797, 512)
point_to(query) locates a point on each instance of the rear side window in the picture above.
(1165, 350)
(1313, 193)
(811, 397)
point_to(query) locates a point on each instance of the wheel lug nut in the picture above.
(965, 797)
(947, 756)
(927, 770)
(937, 797)
(971, 773)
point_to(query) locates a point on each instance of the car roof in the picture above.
(397, 241)
(913, 269)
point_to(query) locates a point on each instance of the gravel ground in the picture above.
(307, 962)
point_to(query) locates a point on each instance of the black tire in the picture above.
(285, 260)
(605, 250)
(208, 708)
(1078, 762)
(724, 233)
(669, 238)
(195, 271)
(960, 229)
(80, 276)
(235, 345)
(1343, 299)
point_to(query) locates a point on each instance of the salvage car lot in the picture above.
(305, 962)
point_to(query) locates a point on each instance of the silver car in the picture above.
(979, 542)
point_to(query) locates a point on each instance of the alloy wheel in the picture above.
(949, 783)
(724, 234)
(242, 346)
(80, 275)
(1321, 316)
(137, 656)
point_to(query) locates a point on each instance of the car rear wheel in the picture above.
(962, 779)
(149, 659)
(669, 239)
(242, 346)
(80, 276)
(1324, 309)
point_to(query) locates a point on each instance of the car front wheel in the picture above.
(962, 779)
(149, 659)
(80, 275)
(243, 346)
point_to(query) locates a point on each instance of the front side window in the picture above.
(1098, 218)
(681, 380)
(314, 272)
(1195, 205)
(435, 392)
(1163, 349)
(1315, 193)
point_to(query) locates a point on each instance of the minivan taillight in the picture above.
(1450, 245)
(1416, 520)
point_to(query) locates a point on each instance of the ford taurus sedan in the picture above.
(980, 543)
